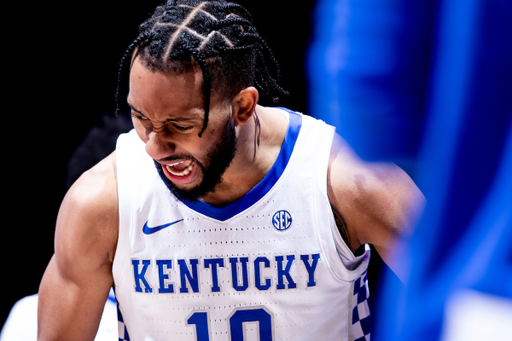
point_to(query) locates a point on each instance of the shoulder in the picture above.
(87, 224)
(378, 201)
(97, 186)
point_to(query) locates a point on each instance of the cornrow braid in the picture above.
(217, 36)
(237, 7)
(138, 42)
(206, 85)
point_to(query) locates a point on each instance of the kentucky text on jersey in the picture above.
(182, 275)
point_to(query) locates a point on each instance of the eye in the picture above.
(181, 128)
(139, 117)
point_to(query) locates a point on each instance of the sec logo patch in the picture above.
(282, 220)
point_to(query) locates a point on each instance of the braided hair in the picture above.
(217, 36)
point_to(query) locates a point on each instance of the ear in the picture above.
(244, 104)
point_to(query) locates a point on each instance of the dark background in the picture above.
(60, 64)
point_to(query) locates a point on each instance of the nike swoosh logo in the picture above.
(150, 230)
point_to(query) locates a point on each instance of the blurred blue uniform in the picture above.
(428, 85)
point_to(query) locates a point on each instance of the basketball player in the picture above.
(217, 218)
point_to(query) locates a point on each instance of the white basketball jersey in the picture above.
(270, 266)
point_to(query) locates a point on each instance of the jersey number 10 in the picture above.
(236, 329)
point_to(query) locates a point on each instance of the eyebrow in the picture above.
(177, 119)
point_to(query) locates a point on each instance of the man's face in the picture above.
(168, 114)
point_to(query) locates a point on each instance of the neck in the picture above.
(259, 143)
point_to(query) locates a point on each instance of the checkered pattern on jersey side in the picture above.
(361, 309)
(123, 332)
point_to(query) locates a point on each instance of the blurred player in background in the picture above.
(428, 85)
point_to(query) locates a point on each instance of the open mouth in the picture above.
(180, 168)
(181, 171)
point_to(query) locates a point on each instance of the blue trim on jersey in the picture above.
(262, 188)
(112, 297)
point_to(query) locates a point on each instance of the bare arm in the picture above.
(77, 281)
(374, 203)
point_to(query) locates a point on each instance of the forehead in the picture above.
(156, 93)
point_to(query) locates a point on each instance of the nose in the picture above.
(158, 146)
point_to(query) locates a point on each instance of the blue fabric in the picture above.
(368, 65)
(428, 85)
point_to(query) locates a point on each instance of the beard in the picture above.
(218, 159)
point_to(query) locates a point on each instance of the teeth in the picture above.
(184, 172)
(176, 163)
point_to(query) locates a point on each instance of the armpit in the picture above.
(342, 225)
